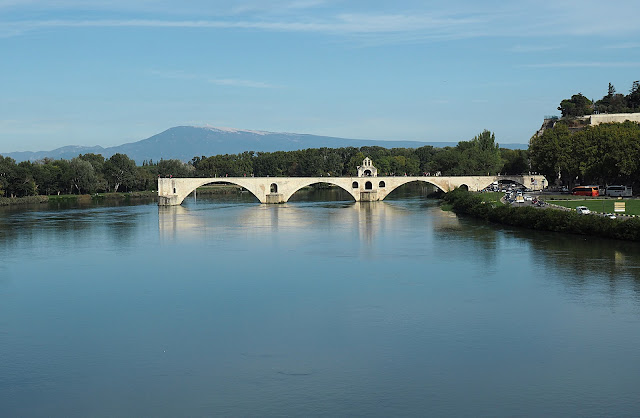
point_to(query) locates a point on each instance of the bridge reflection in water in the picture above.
(214, 221)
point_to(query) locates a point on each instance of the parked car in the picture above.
(583, 210)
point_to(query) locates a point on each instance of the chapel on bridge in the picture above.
(367, 169)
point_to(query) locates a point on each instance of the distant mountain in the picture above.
(186, 142)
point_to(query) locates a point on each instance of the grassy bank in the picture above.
(29, 200)
(632, 206)
(476, 205)
(492, 198)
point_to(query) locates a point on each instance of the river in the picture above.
(226, 307)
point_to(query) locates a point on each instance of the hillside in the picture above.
(186, 142)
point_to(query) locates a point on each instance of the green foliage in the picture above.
(474, 204)
(82, 175)
(91, 173)
(602, 154)
(619, 103)
(120, 170)
(514, 161)
(632, 206)
(577, 105)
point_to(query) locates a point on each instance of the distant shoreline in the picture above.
(99, 197)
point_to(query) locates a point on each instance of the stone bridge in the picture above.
(172, 191)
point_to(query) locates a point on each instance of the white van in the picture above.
(619, 191)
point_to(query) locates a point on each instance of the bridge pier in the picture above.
(274, 198)
(369, 196)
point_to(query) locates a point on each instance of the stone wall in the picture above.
(614, 117)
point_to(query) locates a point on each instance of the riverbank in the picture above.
(485, 208)
(83, 198)
(213, 189)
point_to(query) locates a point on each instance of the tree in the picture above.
(479, 156)
(549, 152)
(578, 105)
(516, 161)
(175, 168)
(633, 99)
(97, 161)
(120, 170)
(82, 175)
(7, 172)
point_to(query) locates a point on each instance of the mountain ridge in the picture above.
(185, 142)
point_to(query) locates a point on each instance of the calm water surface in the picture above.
(228, 307)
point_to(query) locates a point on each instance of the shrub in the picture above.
(464, 202)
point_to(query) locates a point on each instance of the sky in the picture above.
(108, 72)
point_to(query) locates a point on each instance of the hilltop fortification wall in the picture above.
(613, 117)
(582, 122)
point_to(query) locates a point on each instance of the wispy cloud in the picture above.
(624, 45)
(344, 23)
(584, 64)
(534, 48)
(220, 81)
(234, 82)
(525, 18)
(174, 74)
(276, 6)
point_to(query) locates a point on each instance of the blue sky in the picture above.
(107, 72)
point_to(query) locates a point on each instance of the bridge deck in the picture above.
(172, 191)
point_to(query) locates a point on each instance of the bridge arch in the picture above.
(327, 180)
(186, 186)
(398, 182)
(172, 191)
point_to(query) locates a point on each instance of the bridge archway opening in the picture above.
(273, 188)
(381, 184)
(368, 186)
(464, 187)
(506, 185)
(224, 191)
(355, 185)
(413, 189)
(321, 192)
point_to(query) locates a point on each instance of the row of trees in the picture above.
(612, 102)
(602, 154)
(481, 155)
(90, 173)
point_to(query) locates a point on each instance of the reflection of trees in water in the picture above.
(454, 232)
(52, 226)
(578, 262)
(582, 260)
(412, 189)
(321, 192)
